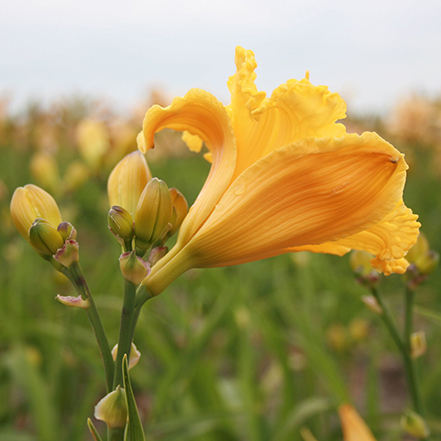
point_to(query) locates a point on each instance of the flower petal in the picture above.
(295, 110)
(202, 115)
(308, 193)
(389, 240)
(354, 428)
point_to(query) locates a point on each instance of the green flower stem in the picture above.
(410, 365)
(125, 331)
(403, 346)
(75, 275)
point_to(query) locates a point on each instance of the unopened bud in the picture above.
(156, 254)
(112, 409)
(75, 176)
(372, 303)
(68, 253)
(133, 268)
(360, 262)
(418, 344)
(414, 425)
(135, 355)
(29, 203)
(67, 231)
(180, 210)
(93, 141)
(422, 259)
(44, 169)
(153, 214)
(127, 181)
(44, 237)
(74, 302)
(120, 223)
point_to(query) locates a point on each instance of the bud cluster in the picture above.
(37, 218)
(144, 212)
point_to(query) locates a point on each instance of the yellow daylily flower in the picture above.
(285, 177)
(353, 426)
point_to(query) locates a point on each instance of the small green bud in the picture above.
(120, 223)
(133, 268)
(135, 355)
(112, 409)
(414, 425)
(180, 210)
(418, 344)
(153, 214)
(67, 231)
(68, 253)
(44, 237)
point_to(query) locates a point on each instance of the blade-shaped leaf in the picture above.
(93, 431)
(134, 431)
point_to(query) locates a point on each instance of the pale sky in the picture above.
(371, 52)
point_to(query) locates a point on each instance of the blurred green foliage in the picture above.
(249, 353)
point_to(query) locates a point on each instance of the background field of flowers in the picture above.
(254, 352)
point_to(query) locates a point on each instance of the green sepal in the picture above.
(93, 431)
(134, 430)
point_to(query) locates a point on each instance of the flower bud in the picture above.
(423, 261)
(180, 210)
(93, 141)
(120, 223)
(45, 238)
(127, 181)
(67, 231)
(153, 214)
(360, 262)
(29, 203)
(112, 409)
(418, 344)
(133, 268)
(135, 355)
(414, 425)
(44, 169)
(68, 253)
(75, 176)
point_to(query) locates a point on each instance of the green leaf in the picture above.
(93, 431)
(134, 431)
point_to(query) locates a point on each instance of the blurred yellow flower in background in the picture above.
(285, 177)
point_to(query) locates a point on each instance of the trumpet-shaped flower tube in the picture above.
(285, 177)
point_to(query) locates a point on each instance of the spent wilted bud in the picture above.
(135, 355)
(68, 253)
(74, 302)
(45, 238)
(120, 223)
(414, 425)
(133, 268)
(372, 303)
(112, 409)
(29, 203)
(153, 214)
(127, 181)
(180, 210)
